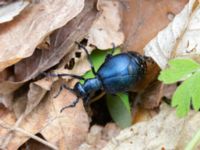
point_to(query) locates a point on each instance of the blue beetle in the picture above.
(118, 73)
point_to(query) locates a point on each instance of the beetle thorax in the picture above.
(89, 86)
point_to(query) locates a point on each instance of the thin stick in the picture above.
(36, 138)
(2, 124)
(9, 135)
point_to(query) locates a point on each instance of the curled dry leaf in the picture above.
(180, 38)
(37, 91)
(98, 136)
(68, 128)
(164, 131)
(106, 29)
(62, 43)
(152, 96)
(142, 20)
(168, 90)
(20, 37)
(26, 101)
(57, 128)
(8, 12)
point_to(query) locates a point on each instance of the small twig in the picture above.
(193, 143)
(2, 124)
(36, 138)
(9, 135)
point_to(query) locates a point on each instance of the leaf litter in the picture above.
(34, 110)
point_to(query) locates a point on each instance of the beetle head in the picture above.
(79, 90)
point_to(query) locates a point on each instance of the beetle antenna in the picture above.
(88, 57)
(73, 104)
(113, 48)
(64, 75)
(110, 54)
(63, 86)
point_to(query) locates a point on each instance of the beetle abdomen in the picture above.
(118, 83)
(120, 72)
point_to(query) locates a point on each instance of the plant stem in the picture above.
(191, 145)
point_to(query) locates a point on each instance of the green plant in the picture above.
(188, 93)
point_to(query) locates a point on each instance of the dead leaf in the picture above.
(179, 39)
(98, 136)
(142, 20)
(62, 44)
(57, 128)
(168, 90)
(164, 131)
(106, 29)
(33, 144)
(151, 74)
(152, 96)
(20, 37)
(8, 12)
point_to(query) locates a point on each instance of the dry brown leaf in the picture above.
(180, 39)
(62, 43)
(60, 129)
(35, 94)
(8, 12)
(106, 29)
(38, 89)
(5, 2)
(33, 145)
(152, 96)
(20, 37)
(26, 102)
(7, 117)
(168, 90)
(142, 20)
(98, 136)
(164, 131)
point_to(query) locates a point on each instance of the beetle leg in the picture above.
(73, 104)
(63, 86)
(88, 57)
(113, 48)
(112, 52)
(86, 100)
(64, 75)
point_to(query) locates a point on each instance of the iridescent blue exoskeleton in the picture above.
(118, 73)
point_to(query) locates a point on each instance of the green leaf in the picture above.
(187, 92)
(178, 70)
(119, 109)
(125, 99)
